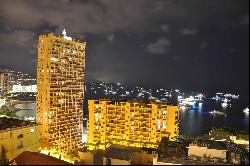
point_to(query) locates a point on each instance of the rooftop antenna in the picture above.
(64, 35)
(64, 32)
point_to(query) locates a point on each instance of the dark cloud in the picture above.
(244, 19)
(160, 46)
(203, 45)
(189, 31)
(111, 38)
(19, 37)
(192, 36)
(165, 27)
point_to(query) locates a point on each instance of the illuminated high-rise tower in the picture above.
(60, 92)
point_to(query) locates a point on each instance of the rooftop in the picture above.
(121, 152)
(11, 123)
(216, 145)
(210, 144)
(135, 101)
(35, 158)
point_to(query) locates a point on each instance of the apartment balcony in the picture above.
(137, 132)
(136, 127)
(121, 120)
(111, 125)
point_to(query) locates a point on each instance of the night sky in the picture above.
(185, 44)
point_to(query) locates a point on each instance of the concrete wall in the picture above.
(201, 151)
(196, 151)
(217, 153)
(86, 158)
(15, 146)
(119, 162)
(143, 158)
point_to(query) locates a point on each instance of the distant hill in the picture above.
(4, 67)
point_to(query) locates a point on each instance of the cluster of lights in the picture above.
(191, 100)
(228, 95)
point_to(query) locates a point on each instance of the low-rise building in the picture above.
(2, 102)
(238, 140)
(230, 134)
(17, 136)
(91, 157)
(208, 150)
(125, 155)
(21, 88)
(35, 158)
(5, 82)
(119, 155)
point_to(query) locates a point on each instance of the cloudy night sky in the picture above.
(186, 44)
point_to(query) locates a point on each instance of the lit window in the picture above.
(32, 130)
(158, 126)
(20, 136)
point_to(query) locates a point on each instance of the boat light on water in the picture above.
(217, 112)
(246, 110)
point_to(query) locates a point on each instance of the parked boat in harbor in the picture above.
(217, 113)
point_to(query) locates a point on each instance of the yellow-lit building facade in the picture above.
(60, 92)
(131, 123)
(17, 136)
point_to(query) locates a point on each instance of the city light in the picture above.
(129, 83)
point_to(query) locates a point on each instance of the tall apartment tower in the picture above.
(60, 92)
(131, 123)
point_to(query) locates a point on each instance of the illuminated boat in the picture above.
(246, 110)
(217, 112)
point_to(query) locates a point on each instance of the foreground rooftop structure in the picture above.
(17, 136)
(35, 158)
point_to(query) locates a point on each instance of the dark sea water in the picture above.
(192, 121)
(199, 121)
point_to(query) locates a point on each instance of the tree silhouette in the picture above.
(4, 159)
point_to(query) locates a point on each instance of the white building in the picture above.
(20, 88)
(2, 102)
(239, 141)
(210, 149)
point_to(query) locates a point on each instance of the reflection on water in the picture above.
(26, 110)
(197, 122)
